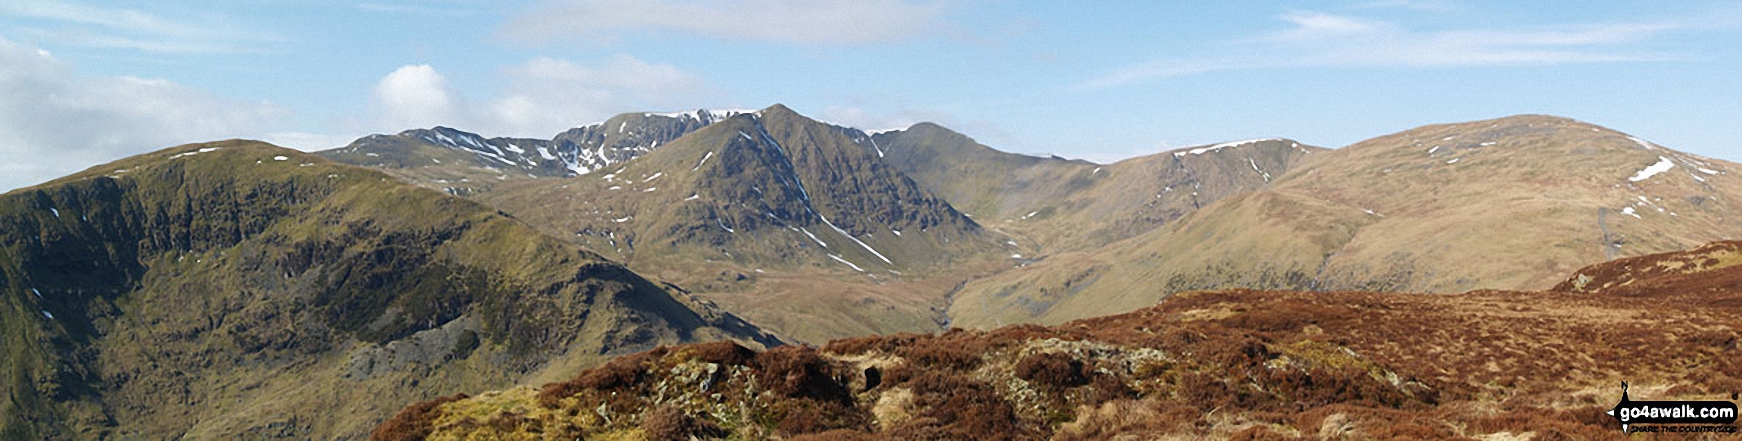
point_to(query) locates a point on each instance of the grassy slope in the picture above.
(224, 293)
(1518, 209)
(1053, 205)
(1227, 364)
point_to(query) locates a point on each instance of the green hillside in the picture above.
(239, 290)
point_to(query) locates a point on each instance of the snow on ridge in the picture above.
(1663, 164)
(1641, 142)
(1203, 150)
(880, 131)
(706, 116)
(544, 153)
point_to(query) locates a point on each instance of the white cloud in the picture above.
(1319, 39)
(55, 122)
(70, 23)
(415, 96)
(784, 21)
(1315, 25)
(539, 98)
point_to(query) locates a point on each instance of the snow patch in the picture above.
(545, 153)
(516, 149)
(1454, 160)
(854, 239)
(839, 259)
(1432, 150)
(655, 176)
(649, 189)
(56, 212)
(1629, 211)
(622, 219)
(704, 161)
(204, 150)
(1642, 143)
(1260, 171)
(46, 314)
(813, 237)
(1203, 150)
(692, 197)
(1663, 164)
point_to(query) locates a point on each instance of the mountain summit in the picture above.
(464, 163)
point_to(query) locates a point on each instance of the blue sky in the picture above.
(84, 82)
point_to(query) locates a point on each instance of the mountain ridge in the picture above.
(240, 289)
(1507, 203)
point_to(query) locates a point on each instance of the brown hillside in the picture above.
(1225, 364)
(1511, 203)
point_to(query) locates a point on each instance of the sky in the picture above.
(84, 82)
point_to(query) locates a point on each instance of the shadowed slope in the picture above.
(235, 289)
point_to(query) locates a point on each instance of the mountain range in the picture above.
(261, 292)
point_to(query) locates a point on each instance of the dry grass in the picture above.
(1262, 365)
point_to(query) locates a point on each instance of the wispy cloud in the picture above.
(1317, 39)
(804, 22)
(1419, 5)
(416, 8)
(56, 122)
(75, 24)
